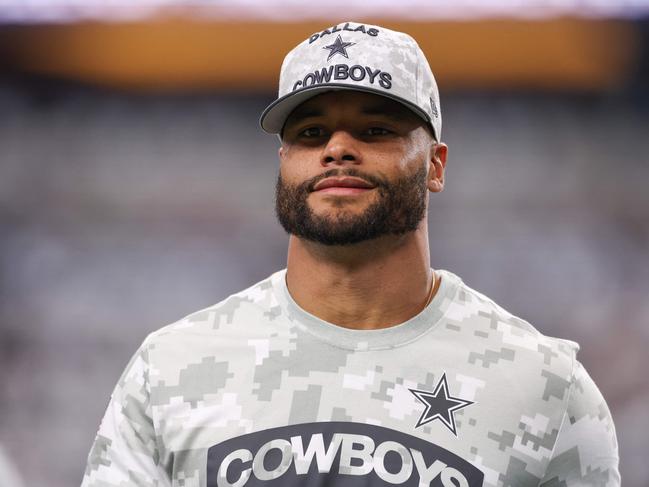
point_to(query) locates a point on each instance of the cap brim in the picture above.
(274, 117)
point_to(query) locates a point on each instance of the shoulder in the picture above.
(505, 336)
(249, 305)
(207, 342)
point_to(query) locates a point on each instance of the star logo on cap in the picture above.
(338, 47)
(440, 405)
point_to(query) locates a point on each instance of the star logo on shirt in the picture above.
(338, 47)
(440, 405)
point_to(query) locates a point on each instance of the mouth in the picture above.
(345, 185)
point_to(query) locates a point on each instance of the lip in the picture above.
(344, 183)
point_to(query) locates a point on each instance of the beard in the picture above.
(400, 207)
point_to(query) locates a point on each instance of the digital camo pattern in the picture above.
(257, 366)
(352, 55)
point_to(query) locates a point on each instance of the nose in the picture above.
(341, 149)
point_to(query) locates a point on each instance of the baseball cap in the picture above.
(361, 57)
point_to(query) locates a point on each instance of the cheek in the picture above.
(291, 169)
(298, 163)
(405, 158)
(294, 171)
(415, 153)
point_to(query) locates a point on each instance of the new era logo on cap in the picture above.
(356, 57)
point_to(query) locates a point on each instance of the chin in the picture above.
(339, 211)
(329, 202)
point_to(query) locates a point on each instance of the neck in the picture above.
(373, 284)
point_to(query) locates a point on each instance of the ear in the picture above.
(439, 152)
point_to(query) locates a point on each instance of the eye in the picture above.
(377, 131)
(311, 132)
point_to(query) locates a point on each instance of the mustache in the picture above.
(310, 184)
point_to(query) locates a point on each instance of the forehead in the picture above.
(354, 103)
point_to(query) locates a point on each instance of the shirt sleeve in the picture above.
(586, 451)
(125, 452)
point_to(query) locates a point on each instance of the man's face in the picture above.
(354, 167)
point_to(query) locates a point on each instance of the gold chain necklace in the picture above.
(431, 293)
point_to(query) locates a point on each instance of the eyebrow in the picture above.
(387, 109)
(303, 112)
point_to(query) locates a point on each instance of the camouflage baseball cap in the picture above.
(354, 56)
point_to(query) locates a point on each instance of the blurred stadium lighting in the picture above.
(35, 11)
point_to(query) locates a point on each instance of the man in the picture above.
(358, 364)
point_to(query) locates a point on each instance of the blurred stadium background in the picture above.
(136, 187)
